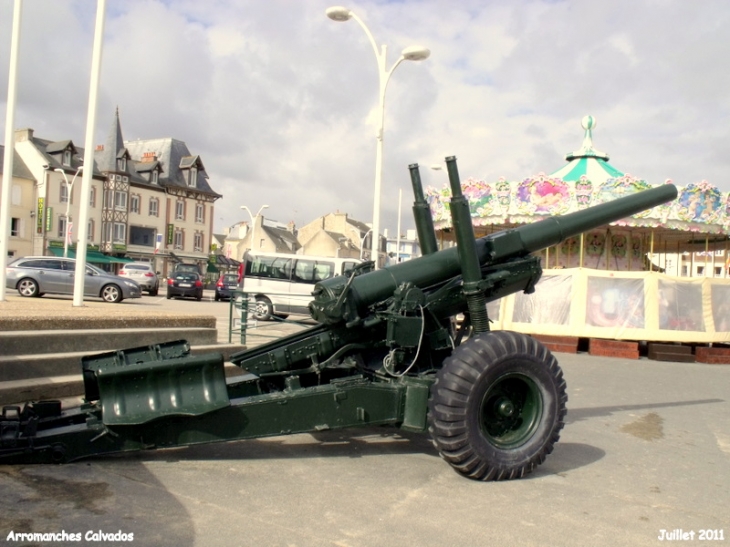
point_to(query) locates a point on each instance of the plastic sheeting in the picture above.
(620, 305)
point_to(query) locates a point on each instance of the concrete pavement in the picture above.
(646, 448)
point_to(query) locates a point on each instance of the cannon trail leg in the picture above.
(497, 406)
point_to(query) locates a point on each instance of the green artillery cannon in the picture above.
(385, 351)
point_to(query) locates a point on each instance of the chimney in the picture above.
(23, 134)
(99, 147)
(292, 227)
(149, 157)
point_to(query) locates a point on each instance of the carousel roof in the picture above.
(698, 219)
(587, 162)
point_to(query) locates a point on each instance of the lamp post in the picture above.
(362, 242)
(253, 221)
(69, 190)
(411, 53)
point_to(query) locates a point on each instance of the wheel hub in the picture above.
(510, 411)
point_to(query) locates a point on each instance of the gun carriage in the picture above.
(386, 351)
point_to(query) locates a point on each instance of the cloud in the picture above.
(280, 102)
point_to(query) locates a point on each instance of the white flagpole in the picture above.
(7, 180)
(88, 172)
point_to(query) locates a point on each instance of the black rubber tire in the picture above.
(263, 310)
(497, 406)
(154, 291)
(217, 298)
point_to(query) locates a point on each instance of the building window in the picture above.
(63, 197)
(120, 200)
(120, 232)
(14, 227)
(108, 199)
(155, 176)
(154, 207)
(61, 226)
(15, 199)
(134, 204)
(178, 240)
(198, 241)
(180, 210)
(90, 231)
(199, 210)
(92, 197)
(193, 177)
(122, 164)
(107, 232)
(67, 157)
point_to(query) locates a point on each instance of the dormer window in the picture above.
(122, 164)
(67, 157)
(155, 176)
(193, 174)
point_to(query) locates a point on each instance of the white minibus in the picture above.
(282, 284)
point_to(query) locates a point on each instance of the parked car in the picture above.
(185, 284)
(38, 275)
(227, 283)
(144, 274)
(186, 267)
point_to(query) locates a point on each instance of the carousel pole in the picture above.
(679, 259)
(651, 252)
(580, 256)
(707, 250)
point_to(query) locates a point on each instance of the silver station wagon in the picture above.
(38, 275)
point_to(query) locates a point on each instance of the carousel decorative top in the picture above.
(588, 179)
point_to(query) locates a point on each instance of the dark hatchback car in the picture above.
(185, 284)
(227, 283)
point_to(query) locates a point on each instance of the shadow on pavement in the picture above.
(88, 498)
(578, 414)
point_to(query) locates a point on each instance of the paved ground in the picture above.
(646, 448)
(18, 313)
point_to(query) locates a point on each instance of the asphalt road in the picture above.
(646, 448)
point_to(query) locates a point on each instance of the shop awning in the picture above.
(120, 259)
(95, 257)
(58, 251)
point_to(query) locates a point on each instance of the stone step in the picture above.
(559, 344)
(613, 348)
(713, 356)
(671, 352)
(35, 342)
(22, 367)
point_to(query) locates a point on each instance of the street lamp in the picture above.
(411, 53)
(362, 242)
(253, 221)
(69, 191)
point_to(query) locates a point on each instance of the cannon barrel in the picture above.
(438, 267)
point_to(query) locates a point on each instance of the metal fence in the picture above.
(243, 323)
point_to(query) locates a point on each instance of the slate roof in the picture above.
(174, 154)
(114, 149)
(55, 160)
(20, 169)
(285, 241)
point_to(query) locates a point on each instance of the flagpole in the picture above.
(83, 227)
(7, 177)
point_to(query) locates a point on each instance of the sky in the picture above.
(281, 103)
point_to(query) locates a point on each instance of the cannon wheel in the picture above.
(497, 406)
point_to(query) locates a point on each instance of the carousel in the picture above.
(624, 281)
